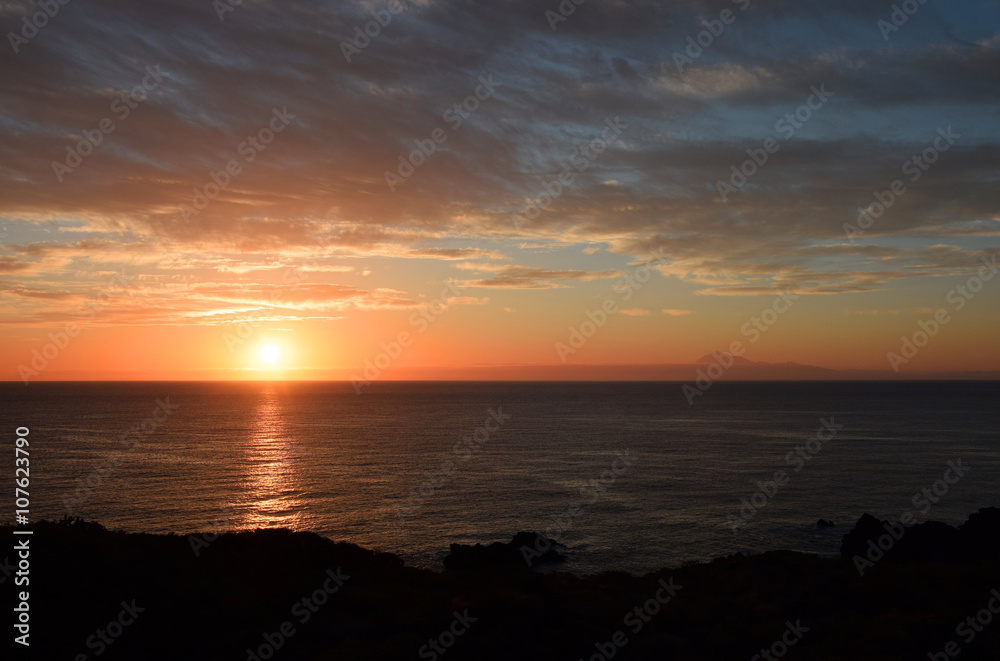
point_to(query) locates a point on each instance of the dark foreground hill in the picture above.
(276, 594)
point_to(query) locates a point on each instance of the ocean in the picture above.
(627, 476)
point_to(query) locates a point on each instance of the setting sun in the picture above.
(270, 353)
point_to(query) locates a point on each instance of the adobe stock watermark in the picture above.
(130, 439)
(7, 569)
(899, 17)
(58, 341)
(914, 167)
(455, 117)
(752, 329)
(223, 7)
(969, 628)
(923, 500)
(624, 288)
(210, 531)
(464, 450)
(121, 107)
(635, 620)
(779, 648)
(702, 41)
(581, 160)
(928, 328)
(437, 646)
(363, 38)
(303, 611)
(590, 493)
(421, 321)
(249, 149)
(31, 26)
(248, 327)
(566, 9)
(104, 638)
(797, 459)
(785, 127)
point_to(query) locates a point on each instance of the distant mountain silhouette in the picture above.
(738, 367)
(737, 360)
(742, 369)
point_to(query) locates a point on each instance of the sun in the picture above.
(270, 353)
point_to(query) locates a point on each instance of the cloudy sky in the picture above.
(188, 182)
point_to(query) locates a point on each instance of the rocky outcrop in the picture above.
(975, 540)
(524, 551)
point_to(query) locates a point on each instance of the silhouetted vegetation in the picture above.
(240, 588)
(524, 551)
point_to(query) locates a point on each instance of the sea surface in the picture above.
(492, 459)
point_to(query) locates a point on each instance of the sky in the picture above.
(264, 190)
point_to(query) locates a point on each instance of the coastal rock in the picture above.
(524, 551)
(856, 541)
(236, 593)
(929, 542)
(976, 539)
(980, 535)
(823, 523)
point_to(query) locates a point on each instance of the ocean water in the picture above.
(319, 457)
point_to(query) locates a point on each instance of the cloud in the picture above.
(205, 303)
(468, 300)
(526, 277)
(317, 193)
(12, 265)
(31, 293)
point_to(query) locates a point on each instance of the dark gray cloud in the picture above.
(320, 185)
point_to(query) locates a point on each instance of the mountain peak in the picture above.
(737, 360)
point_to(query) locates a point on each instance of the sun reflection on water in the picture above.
(270, 481)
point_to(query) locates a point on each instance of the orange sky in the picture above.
(491, 186)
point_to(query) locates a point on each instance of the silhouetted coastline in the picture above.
(294, 595)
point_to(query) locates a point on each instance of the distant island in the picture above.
(896, 592)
